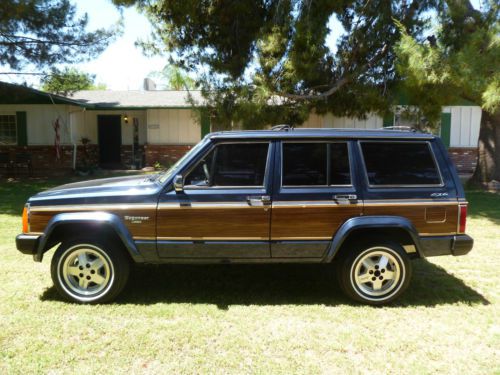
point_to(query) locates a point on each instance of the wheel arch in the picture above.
(384, 227)
(68, 225)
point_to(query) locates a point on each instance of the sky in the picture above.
(122, 66)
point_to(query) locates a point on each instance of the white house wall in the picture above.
(86, 123)
(40, 119)
(465, 123)
(330, 121)
(172, 126)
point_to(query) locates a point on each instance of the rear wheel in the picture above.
(89, 271)
(374, 273)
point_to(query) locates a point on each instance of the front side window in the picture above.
(399, 163)
(232, 165)
(315, 164)
(8, 133)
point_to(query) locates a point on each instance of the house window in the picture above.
(8, 133)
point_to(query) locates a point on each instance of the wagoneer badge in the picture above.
(136, 219)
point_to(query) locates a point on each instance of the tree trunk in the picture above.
(488, 164)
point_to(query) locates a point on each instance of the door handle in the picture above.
(264, 200)
(345, 198)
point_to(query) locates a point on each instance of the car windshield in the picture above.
(165, 174)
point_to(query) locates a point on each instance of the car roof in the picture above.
(321, 133)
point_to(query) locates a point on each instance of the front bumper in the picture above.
(27, 243)
(459, 244)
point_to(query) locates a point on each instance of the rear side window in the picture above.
(400, 163)
(315, 164)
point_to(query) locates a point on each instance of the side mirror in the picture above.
(179, 183)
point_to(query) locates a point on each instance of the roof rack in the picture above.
(400, 127)
(282, 127)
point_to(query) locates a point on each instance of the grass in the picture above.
(253, 319)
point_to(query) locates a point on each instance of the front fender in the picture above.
(371, 222)
(96, 218)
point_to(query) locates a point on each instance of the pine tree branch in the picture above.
(340, 83)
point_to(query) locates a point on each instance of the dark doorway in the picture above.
(110, 140)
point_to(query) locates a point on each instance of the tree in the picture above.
(45, 32)
(172, 77)
(248, 54)
(67, 81)
(461, 61)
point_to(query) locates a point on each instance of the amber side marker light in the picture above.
(462, 220)
(26, 219)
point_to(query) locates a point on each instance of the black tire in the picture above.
(90, 271)
(365, 279)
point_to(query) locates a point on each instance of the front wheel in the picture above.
(375, 273)
(89, 271)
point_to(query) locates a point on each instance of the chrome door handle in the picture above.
(345, 198)
(264, 200)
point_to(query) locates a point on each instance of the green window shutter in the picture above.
(446, 128)
(205, 123)
(388, 120)
(22, 131)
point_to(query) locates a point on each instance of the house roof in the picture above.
(108, 99)
(18, 94)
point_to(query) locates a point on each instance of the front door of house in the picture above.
(110, 140)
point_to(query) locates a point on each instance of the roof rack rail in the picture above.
(401, 127)
(282, 127)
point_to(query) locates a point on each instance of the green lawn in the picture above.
(253, 319)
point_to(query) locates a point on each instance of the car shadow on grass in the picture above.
(226, 285)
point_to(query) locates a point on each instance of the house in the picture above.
(137, 128)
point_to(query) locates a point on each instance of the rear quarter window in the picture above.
(400, 163)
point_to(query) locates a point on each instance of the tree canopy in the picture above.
(47, 32)
(68, 80)
(462, 60)
(172, 77)
(250, 53)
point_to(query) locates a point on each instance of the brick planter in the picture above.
(465, 158)
(166, 155)
(44, 161)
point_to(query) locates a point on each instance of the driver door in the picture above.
(224, 209)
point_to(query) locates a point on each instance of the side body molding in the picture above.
(99, 219)
(371, 222)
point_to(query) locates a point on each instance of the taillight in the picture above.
(26, 219)
(462, 218)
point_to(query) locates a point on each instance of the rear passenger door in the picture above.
(313, 194)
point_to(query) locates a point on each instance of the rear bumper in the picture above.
(27, 243)
(459, 244)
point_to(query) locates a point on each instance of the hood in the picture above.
(116, 186)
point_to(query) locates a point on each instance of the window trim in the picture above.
(214, 146)
(328, 153)
(365, 170)
(9, 113)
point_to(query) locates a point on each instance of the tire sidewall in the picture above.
(118, 270)
(348, 267)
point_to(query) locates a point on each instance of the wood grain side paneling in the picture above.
(40, 218)
(231, 223)
(309, 221)
(442, 219)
